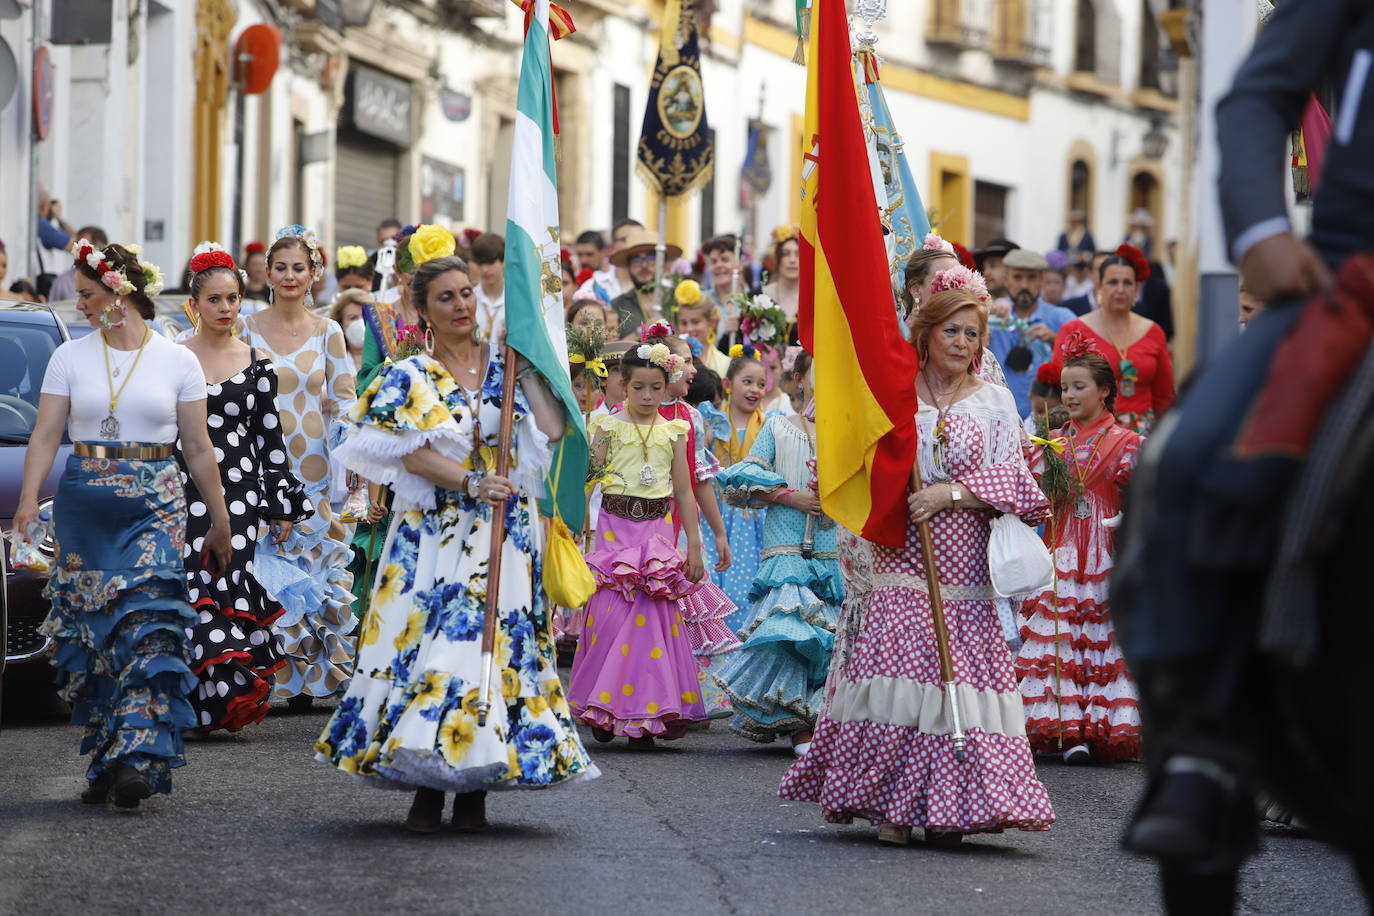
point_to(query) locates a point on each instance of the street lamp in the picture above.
(1155, 141)
(356, 12)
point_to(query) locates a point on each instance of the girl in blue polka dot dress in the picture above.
(735, 430)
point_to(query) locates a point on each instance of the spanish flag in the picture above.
(865, 370)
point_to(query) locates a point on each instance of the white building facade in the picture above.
(1012, 112)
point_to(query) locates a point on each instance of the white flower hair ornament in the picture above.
(934, 243)
(115, 280)
(656, 355)
(961, 278)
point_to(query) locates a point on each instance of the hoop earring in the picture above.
(429, 341)
(105, 313)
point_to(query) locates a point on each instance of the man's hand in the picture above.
(1281, 267)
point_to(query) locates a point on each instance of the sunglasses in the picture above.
(643, 259)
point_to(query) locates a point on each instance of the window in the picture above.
(1085, 38)
(1080, 188)
(620, 155)
(1145, 194)
(708, 207)
(989, 212)
(1150, 58)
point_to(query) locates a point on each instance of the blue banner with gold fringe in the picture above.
(676, 144)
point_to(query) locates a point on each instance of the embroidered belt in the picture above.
(792, 550)
(635, 508)
(145, 452)
(948, 592)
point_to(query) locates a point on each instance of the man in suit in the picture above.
(1198, 544)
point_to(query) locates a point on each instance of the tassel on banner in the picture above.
(868, 59)
(803, 30)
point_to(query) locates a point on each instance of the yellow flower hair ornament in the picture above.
(430, 242)
(350, 256)
(688, 292)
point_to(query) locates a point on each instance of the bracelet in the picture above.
(520, 376)
(782, 495)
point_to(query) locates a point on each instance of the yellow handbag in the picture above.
(567, 579)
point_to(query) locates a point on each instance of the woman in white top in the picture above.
(119, 601)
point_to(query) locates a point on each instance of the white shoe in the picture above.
(801, 749)
(1077, 755)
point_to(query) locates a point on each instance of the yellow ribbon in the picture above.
(597, 365)
(1057, 444)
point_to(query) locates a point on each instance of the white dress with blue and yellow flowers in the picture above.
(410, 715)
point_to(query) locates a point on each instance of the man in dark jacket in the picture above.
(1199, 540)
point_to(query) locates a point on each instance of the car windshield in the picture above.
(24, 353)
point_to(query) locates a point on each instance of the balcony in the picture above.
(959, 25)
(1020, 33)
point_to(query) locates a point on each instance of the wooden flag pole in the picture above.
(937, 613)
(491, 613)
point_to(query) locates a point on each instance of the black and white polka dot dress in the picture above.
(233, 647)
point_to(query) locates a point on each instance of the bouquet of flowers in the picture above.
(761, 322)
(410, 341)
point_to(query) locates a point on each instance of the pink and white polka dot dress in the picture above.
(883, 749)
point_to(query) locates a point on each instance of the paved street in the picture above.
(257, 826)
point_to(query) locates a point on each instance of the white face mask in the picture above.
(355, 333)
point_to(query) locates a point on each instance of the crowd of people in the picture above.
(295, 499)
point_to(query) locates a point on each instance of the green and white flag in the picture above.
(534, 275)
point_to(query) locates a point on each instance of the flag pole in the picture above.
(491, 612)
(937, 613)
(660, 253)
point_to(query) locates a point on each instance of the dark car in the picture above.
(28, 336)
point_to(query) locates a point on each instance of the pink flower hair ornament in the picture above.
(934, 243)
(961, 278)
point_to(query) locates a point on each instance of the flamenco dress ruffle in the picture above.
(634, 673)
(119, 613)
(1074, 680)
(308, 575)
(776, 682)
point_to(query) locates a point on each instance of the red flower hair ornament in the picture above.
(1138, 261)
(1048, 374)
(254, 248)
(965, 256)
(1077, 344)
(584, 275)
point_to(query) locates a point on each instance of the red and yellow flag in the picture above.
(865, 370)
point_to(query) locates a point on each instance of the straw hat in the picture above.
(642, 241)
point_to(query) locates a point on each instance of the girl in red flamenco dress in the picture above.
(1080, 699)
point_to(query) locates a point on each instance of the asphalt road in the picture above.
(257, 826)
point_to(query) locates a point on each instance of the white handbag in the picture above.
(1019, 563)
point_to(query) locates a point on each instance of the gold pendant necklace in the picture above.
(109, 427)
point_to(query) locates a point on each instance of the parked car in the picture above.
(28, 336)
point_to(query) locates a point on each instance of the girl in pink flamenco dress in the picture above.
(634, 674)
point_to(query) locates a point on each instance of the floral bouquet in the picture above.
(761, 322)
(410, 341)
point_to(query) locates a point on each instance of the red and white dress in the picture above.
(883, 749)
(1081, 692)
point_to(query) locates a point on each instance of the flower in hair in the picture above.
(693, 344)
(674, 368)
(784, 233)
(350, 256)
(586, 295)
(1048, 374)
(961, 278)
(746, 351)
(254, 248)
(1076, 344)
(1138, 261)
(134, 250)
(789, 358)
(152, 278)
(210, 254)
(934, 243)
(584, 275)
(965, 256)
(657, 329)
(113, 278)
(688, 292)
(470, 235)
(429, 242)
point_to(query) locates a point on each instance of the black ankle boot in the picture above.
(470, 811)
(130, 786)
(99, 789)
(426, 811)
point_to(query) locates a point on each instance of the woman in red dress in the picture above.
(1080, 699)
(1135, 346)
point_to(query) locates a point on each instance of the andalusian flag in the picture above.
(865, 370)
(534, 299)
